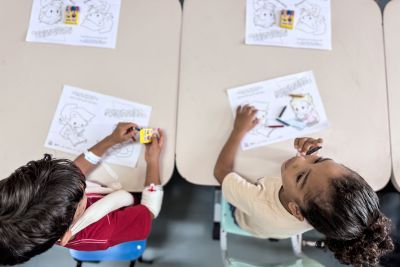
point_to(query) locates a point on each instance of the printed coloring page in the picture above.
(83, 118)
(288, 107)
(311, 25)
(75, 22)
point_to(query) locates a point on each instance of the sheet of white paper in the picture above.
(312, 26)
(83, 118)
(98, 23)
(305, 114)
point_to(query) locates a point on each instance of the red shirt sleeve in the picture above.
(126, 224)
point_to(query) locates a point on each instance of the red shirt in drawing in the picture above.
(123, 225)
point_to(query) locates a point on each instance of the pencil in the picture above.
(282, 111)
(296, 95)
(276, 126)
(283, 122)
(313, 150)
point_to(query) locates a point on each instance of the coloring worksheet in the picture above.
(307, 26)
(83, 118)
(75, 22)
(288, 107)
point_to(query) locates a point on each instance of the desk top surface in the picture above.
(392, 44)
(143, 68)
(351, 81)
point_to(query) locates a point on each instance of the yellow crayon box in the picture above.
(71, 15)
(287, 19)
(146, 134)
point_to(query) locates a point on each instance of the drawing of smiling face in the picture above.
(50, 14)
(264, 18)
(77, 122)
(301, 108)
(97, 18)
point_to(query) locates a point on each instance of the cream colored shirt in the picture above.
(258, 208)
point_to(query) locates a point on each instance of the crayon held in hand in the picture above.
(313, 150)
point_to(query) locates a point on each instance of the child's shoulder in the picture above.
(270, 181)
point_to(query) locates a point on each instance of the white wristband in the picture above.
(91, 157)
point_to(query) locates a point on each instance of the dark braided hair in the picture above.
(349, 217)
(37, 205)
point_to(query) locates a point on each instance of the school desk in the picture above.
(392, 44)
(350, 78)
(143, 68)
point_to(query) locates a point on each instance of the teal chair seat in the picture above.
(227, 220)
(228, 225)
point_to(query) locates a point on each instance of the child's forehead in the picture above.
(328, 171)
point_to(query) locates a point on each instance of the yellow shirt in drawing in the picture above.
(258, 208)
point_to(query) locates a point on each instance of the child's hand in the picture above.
(303, 144)
(153, 149)
(123, 132)
(245, 119)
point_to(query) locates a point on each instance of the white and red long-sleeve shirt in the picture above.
(123, 225)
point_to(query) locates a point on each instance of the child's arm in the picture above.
(123, 132)
(152, 194)
(245, 121)
(152, 157)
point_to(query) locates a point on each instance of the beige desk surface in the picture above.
(143, 68)
(392, 45)
(351, 80)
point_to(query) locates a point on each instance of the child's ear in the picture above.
(295, 210)
(65, 238)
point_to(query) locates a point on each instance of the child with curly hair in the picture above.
(314, 192)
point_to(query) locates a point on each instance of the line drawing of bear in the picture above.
(98, 18)
(74, 119)
(264, 14)
(311, 20)
(50, 11)
(304, 110)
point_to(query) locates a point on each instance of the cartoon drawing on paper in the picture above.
(304, 110)
(264, 14)
(311, 20)
(50, 11)
(262, 116)
(123, 150)
(309, 26)
(98, 18)
(288, 107)
(74, 120)
(83, 118)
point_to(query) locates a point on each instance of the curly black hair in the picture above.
(37, 205)
(349, 217)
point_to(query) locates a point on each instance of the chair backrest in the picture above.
(122, 252)
(228, 225)
(227, 221)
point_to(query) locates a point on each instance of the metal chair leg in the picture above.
(146, 261)
(296, 245)
(217, 214)
(78, 263)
